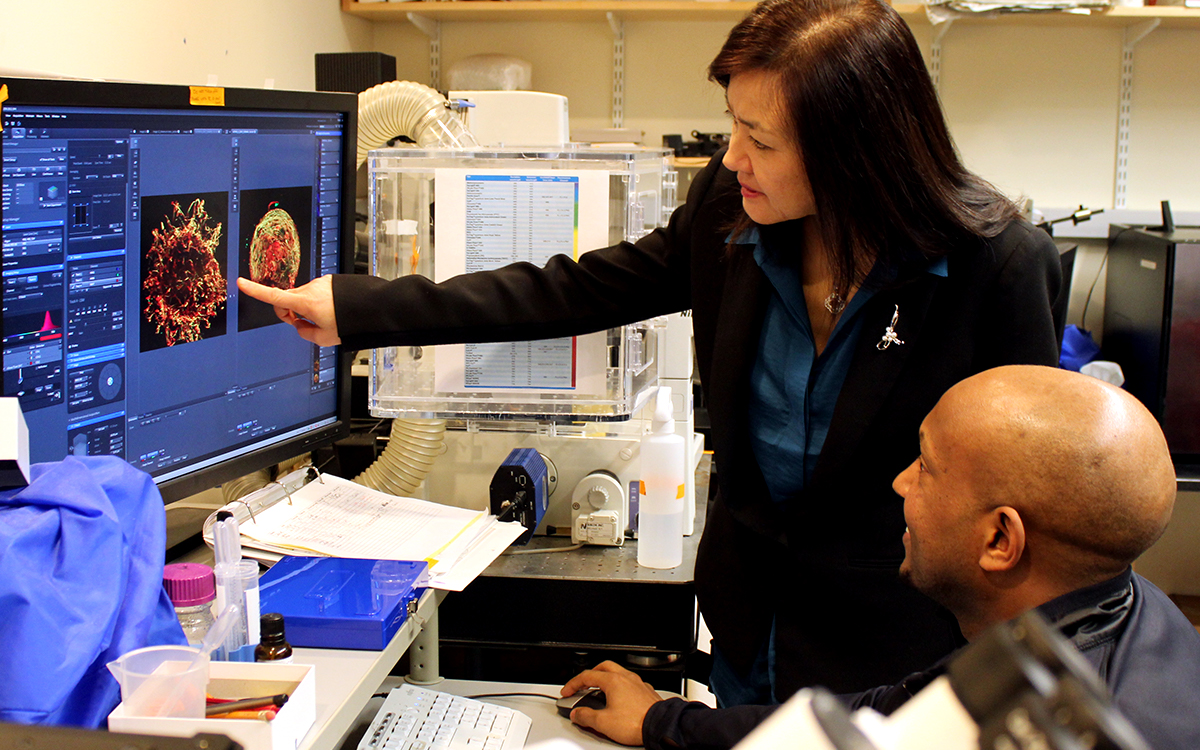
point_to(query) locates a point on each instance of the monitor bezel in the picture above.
(87, 93)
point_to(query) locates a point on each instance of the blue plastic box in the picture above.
(330, 602)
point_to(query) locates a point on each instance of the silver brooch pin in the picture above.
(889, 333)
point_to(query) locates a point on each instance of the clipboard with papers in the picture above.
(306, 513)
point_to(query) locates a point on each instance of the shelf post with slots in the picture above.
(433, 30)
(935, 53)
(1133, 35)
(618, 69)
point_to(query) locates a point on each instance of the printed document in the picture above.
(335, 517)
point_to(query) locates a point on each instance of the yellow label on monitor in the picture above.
(207, 96)
(679, 493)
(3, 99)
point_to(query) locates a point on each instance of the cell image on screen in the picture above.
(275, 246)
(184, 286)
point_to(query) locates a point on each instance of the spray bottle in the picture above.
(660, 515)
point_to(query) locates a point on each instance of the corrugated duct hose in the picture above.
(411, 109)
(421, 113)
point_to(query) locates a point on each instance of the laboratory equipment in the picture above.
(191, 588)
(162, 681)
(273, 645)
(332, 602)
(14, 445)
(543, 395)
(600, 509)
(660, 509)
(231, 590)
(106, 186)
(1021, 685)
(248, 570)
(520, 490)
(428, 717)
(1152, 326)
(516, 118)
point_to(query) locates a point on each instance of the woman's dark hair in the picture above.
(888, 183)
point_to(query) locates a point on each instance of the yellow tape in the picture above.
(679, 493)
(3, 99)
(207, 96)
(433, 558)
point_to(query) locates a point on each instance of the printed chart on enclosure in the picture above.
(508, 218)
(520, 218)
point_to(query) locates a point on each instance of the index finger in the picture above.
(261, 292)
(588, 678)
(606, 681)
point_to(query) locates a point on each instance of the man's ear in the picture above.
(1005, 543)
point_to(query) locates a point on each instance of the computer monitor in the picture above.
(128, 211)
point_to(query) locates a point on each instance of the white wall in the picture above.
(241, 42)
(1033, 108)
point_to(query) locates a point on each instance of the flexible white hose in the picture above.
(410, 109)
(236, 489)
(408, 457)
(419, 112)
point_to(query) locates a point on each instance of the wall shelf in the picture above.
(718, 10)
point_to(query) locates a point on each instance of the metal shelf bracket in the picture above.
(935, 53)
(1133, 35)
(617, 24)
(433, 30)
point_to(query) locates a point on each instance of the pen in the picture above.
(265, 715)
(246, 704)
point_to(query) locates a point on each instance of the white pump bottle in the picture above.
(660, 514)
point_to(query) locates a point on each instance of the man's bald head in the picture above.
(1084, 463)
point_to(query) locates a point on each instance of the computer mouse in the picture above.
(592, 697)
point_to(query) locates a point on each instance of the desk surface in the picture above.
(346, 679)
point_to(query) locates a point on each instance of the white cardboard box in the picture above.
(228, 679)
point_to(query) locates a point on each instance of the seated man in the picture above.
(1035, 487)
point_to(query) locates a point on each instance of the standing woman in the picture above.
(844, 269)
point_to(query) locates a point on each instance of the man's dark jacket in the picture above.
(1142, 646)
(822, 565)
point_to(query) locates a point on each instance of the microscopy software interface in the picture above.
(124, 231)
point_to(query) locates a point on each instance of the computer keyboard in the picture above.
(416, 718)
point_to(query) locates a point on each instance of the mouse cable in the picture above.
(513, 695)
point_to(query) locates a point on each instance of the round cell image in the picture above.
(275, 249)
(183, 285)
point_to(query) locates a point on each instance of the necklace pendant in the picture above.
(835, 303)
(889, 333)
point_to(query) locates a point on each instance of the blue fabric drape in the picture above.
(81, 558)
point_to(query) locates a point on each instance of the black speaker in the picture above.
(353, 72)
(1152, 326)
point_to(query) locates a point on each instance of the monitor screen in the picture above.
(128, 212)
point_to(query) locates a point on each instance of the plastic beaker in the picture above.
(162, 681)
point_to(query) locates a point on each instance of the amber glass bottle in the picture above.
(272, 646)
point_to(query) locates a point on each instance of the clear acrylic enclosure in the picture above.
(440, 213)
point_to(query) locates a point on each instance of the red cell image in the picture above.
(183, 283)
(275, 249)
(275, 233)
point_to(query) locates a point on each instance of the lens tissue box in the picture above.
(233, 680)
(330, 602)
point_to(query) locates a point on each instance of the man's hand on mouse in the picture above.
(628, 700)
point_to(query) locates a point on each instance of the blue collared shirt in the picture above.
(793, 391)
